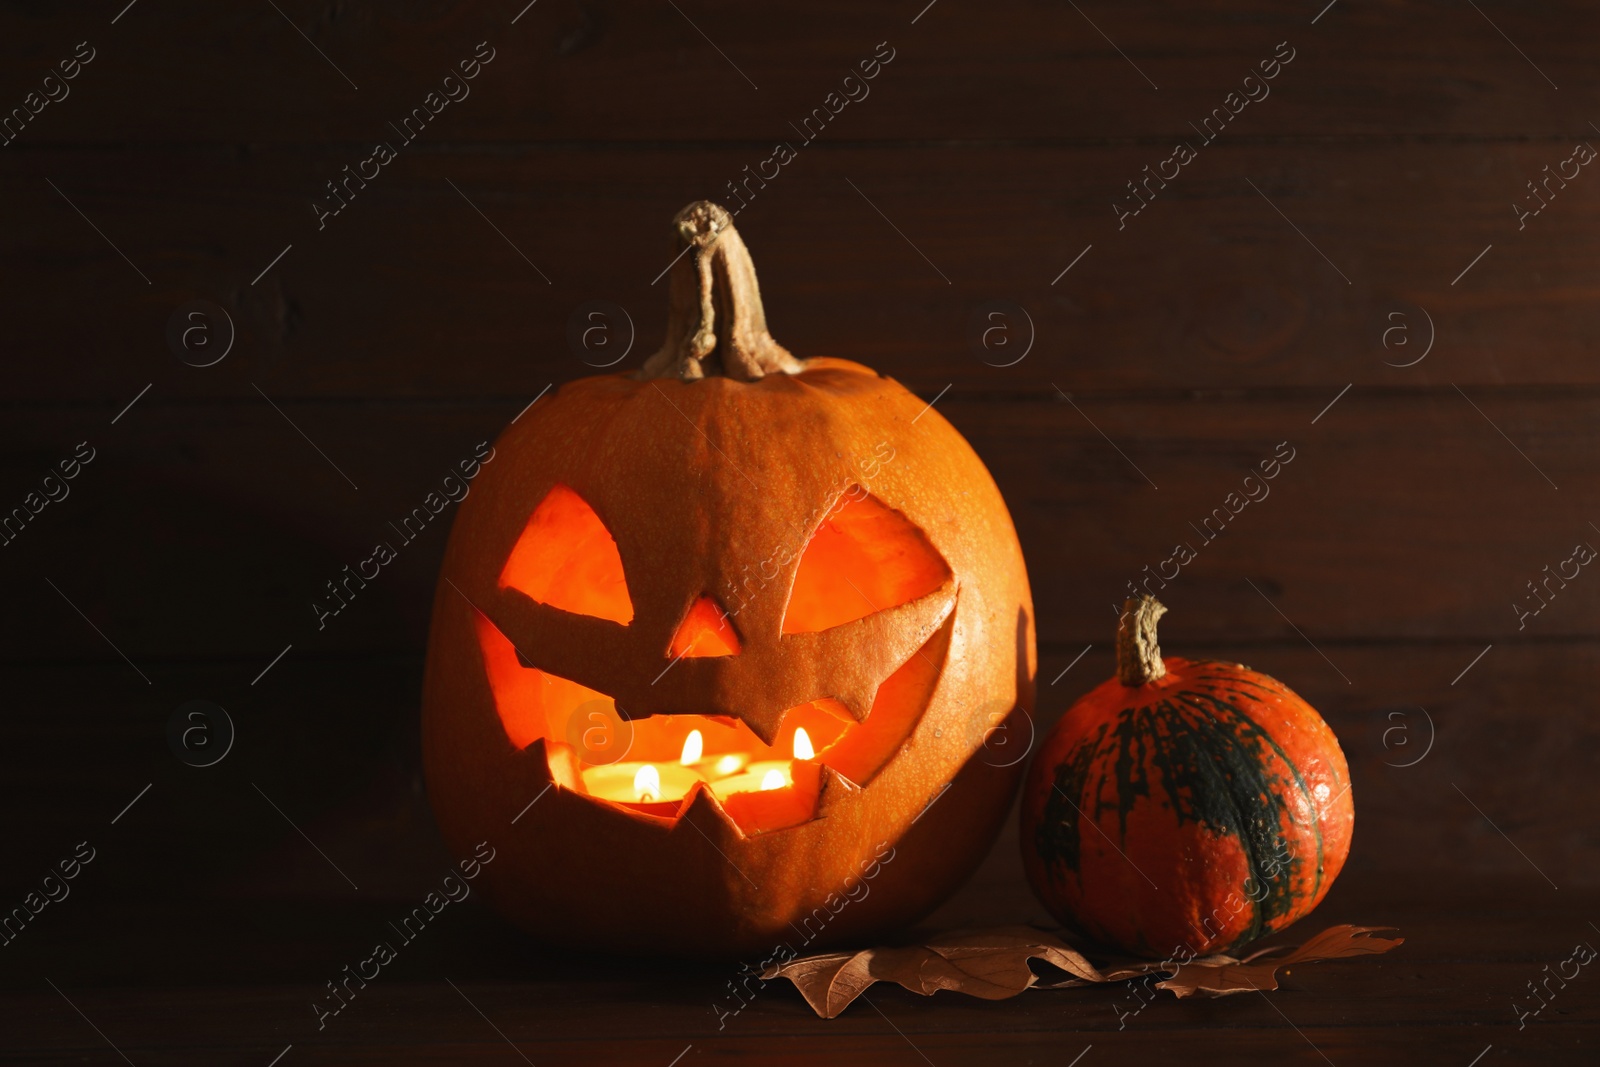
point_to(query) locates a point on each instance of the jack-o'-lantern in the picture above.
(717, 646)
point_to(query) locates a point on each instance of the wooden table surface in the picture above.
(230, 976)
(1356, 264)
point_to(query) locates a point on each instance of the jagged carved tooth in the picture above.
(766, 727)
(833, 790)
(704, 811)
(835, 707)
(858, 702)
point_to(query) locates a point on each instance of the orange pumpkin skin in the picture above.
(1188, 815)
(698, 482)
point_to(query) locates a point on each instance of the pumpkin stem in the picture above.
(1138, 656)
(715, 322)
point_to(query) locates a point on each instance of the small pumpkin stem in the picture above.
(1138, 656)
(715, 322)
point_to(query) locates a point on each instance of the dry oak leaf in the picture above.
(994, 964)
(1218, 976)
(989, 963)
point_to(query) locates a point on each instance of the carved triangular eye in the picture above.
(566, 558)
(706, 631)
(864, 558)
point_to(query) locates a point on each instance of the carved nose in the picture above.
(706, 631)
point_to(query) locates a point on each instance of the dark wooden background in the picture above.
(1377, 579)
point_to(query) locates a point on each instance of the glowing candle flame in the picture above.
(694, 747)
(773, 779)
(802, 744)
(647, 783)
(729, 764)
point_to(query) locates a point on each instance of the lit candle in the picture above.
(766, 775)
(709, 767)
(639, 783)
(771, 794)
(653, 786)
(693, 747)
(757, 776)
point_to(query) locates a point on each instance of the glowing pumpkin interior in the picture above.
(863, 558)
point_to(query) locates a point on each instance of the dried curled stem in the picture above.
(715, 321)
(1138, 655)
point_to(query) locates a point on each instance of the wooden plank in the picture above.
(312, 933)
(420, 289)
(585, 1023)
(1456, 782)
(228, 967)
(209, 530)
(565, 71)
(1372, 198)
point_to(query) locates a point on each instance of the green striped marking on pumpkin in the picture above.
(1216, 768)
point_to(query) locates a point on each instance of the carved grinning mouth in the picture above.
(864, 632)
(594, 749)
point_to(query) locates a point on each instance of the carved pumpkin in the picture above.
(711, 640)
(1185, 807)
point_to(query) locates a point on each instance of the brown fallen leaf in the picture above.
(995, 964)
(1217, 976)
(992, 964)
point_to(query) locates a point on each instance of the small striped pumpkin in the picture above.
(1184, 807)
